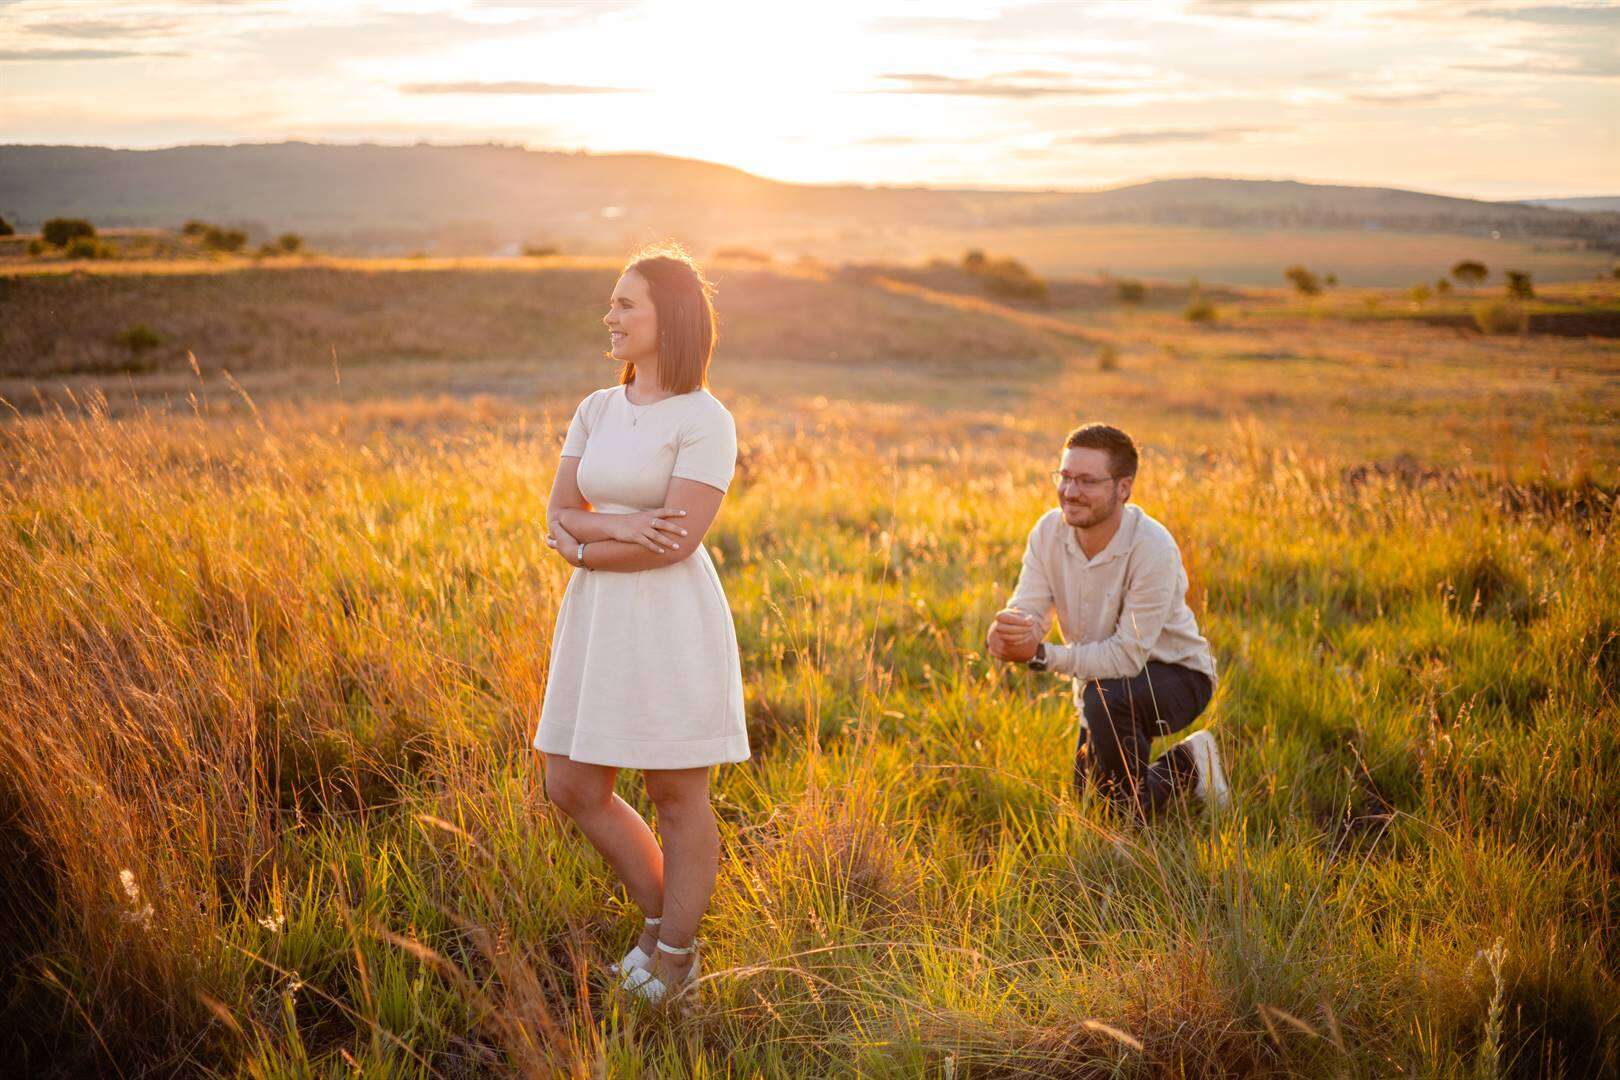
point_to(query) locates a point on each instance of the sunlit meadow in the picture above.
(273, 642)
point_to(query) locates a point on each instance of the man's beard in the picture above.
(1091, 515)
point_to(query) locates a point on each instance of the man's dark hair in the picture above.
(1118, 445)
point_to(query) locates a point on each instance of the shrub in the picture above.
(1616, 270)
(1305, 283)
(1331, 281)
(1131, 293)
(1420, 294)
(290, 243)
(194, 228)
(1199, 310)
(139, 339)
(1013, 279)
(36, 247)
(1469, 272)
(6, 229)
(217, 239)
(1005, 277)
(1518, 284)
(63, 231)
(1442, 287)
(1500, 317)
(267, 251)
(88, 247)
(540, 251)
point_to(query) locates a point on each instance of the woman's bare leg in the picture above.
(691, 860)
(585, 793)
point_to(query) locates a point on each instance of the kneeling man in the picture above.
(1140, 667)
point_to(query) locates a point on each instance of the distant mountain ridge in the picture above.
(1585, 205)
(371, 198)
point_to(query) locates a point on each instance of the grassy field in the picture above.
(1253, 257)
(273, 637)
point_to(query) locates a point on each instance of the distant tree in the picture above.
(1305, 283)
(36, 247)
(1420, 294)
(1331, 281)
(1518, 284)
(973, 262)
(267, 251)
(1131, 293)
(6, 229)
(1442, 286)
(1199, 310)
(194, 228)
(290, 243)
(1470, 273)
(63, 231)
(218, 239)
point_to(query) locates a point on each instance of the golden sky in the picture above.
(1470, 97)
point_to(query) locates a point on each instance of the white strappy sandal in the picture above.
(650, 987)
(636, 957)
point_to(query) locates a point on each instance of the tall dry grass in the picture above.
(270, 676)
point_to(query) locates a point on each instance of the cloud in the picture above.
(1268, 10)
(1398, 97)
(76, 54)
(510, 88)
(1587, 67)
(1157, 136)
(1553, 14)
(105, 28)
(1018, 84)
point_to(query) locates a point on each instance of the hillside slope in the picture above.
(475, 199)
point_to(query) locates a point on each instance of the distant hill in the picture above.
(1593, 204)
(477, 199)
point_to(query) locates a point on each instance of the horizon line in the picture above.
(868, 185)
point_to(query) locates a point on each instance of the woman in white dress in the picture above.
(644, 669)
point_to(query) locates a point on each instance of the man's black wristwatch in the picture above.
(1038, 661)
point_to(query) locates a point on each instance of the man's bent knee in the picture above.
(1106, 706)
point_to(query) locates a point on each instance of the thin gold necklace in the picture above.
(635, 410)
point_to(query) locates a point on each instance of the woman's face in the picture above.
(632, 321)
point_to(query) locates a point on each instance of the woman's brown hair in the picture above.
(686, 321)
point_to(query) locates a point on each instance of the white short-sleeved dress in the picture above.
(644, 667)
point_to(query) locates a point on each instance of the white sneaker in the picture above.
(1211, 786)
(651, 988)
(637, 957)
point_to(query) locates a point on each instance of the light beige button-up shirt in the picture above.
(1116, 611)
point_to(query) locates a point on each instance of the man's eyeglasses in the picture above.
(1060, 478)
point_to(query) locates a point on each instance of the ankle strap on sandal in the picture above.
(676, 950)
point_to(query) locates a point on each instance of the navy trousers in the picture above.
(1123, 717)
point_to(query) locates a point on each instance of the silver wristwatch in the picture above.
(1038, 661)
